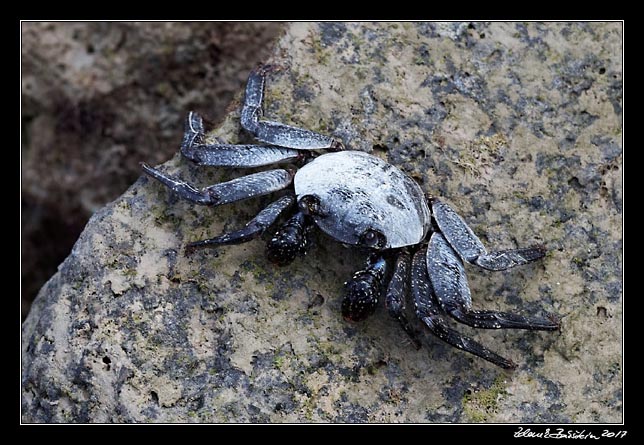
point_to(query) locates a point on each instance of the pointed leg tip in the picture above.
(265, 68)
(556, 322)
(541, 249)
(509, 365)
(197, 245)
(194, 115)
(207, 243)
(193, 130)
(150, 171)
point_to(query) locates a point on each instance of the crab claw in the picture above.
(290, 241)
(362, 292)
(360, 297)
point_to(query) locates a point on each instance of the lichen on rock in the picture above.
(518, 126)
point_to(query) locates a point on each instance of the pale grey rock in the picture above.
(518, 126)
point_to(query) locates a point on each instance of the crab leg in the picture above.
(226, 155)
(253, 229)
(449, 282)
(276, 133)
(429, 312)
(293, 238)
(396, 295)
(362, 291)
(257, 184)
(471, 249)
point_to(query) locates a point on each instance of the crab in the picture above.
(416, 245)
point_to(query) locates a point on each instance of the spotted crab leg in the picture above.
(364, 289)
(447, 275)
(459, 235)
(276, 133)
(292, 239)
(429, 311)
(257, 184)
(227, 155)
(396, 294)
(253, 229)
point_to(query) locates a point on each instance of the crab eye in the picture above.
(373, 238)
(310, 205)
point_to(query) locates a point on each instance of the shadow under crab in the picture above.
(415, 245)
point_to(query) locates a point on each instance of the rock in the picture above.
(97, 98)
(516, 125)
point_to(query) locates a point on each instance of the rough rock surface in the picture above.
(96, 99)
(516, 125)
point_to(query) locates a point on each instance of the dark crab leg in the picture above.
(364, 289)
(429, 311)
(276, 133)
(293, 238)
(226, 155)
(471, 249)
(447, 275)
(253, 229)
(257, 184)
(396, 294)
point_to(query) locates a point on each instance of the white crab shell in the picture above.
(358, 192)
